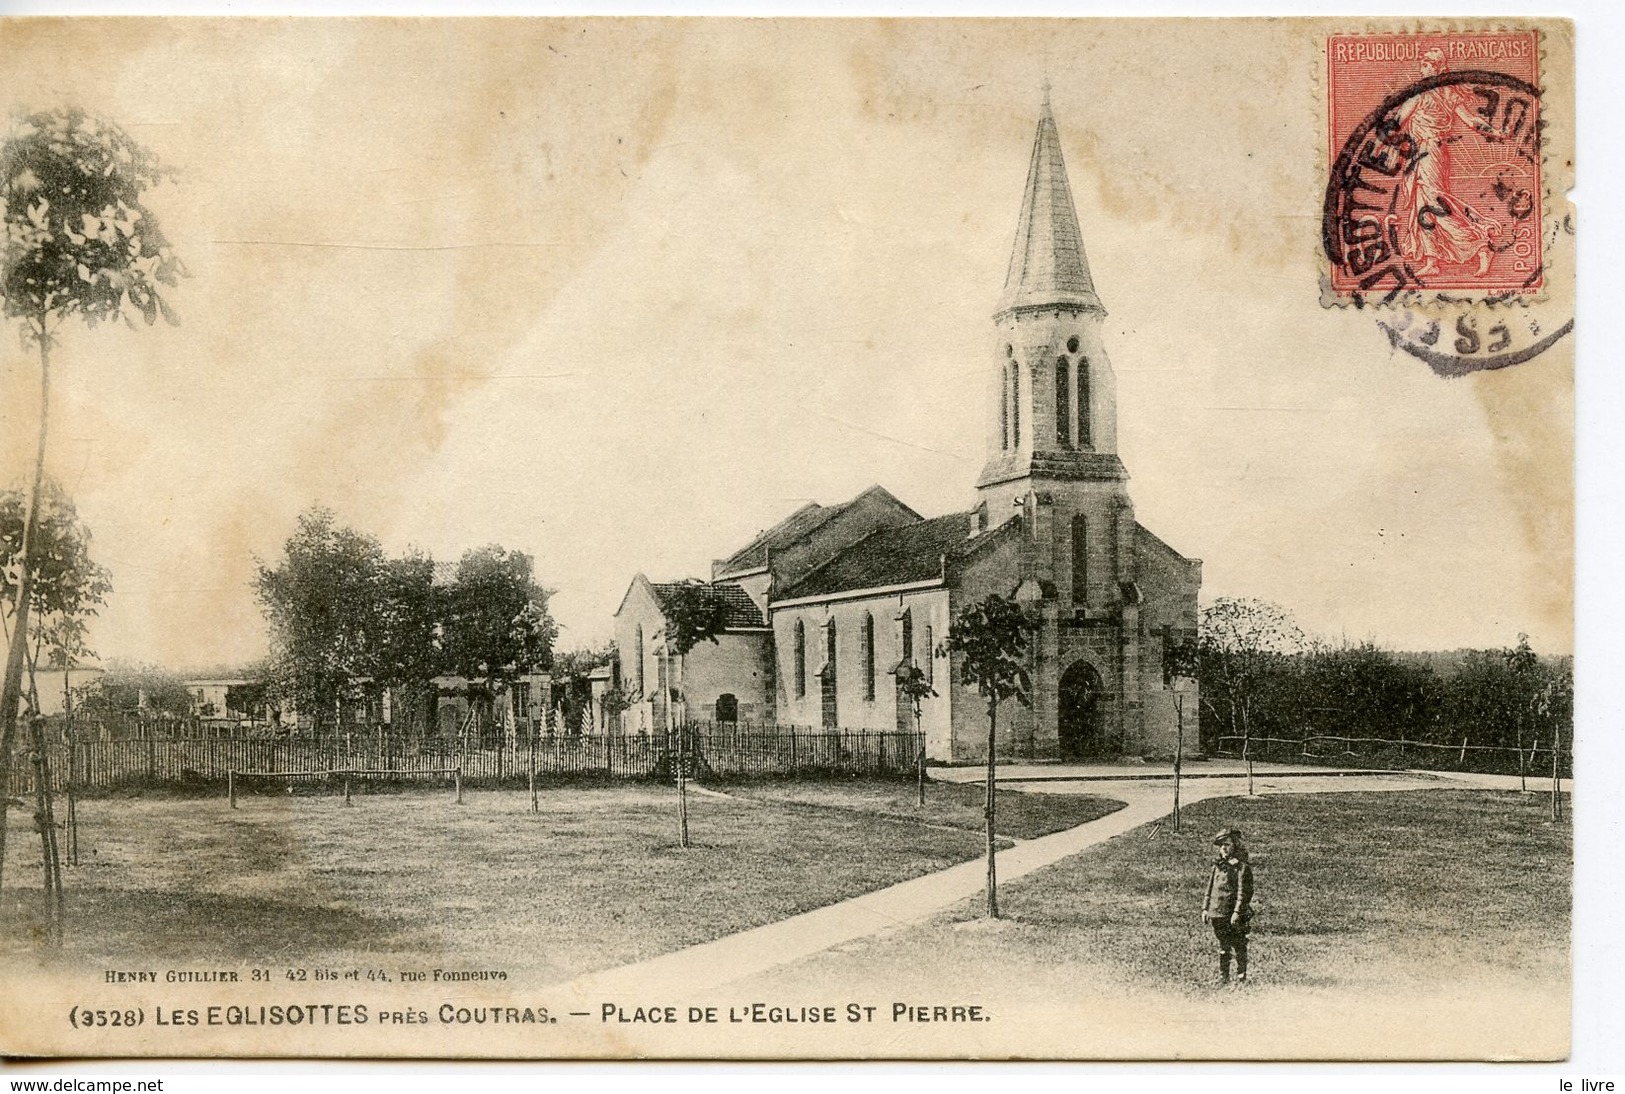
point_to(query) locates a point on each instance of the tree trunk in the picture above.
(921, 736)
(1246, 749)
(1523, 763)
(992, 776)
(682, 755)
(1179, 752)
(1557, 800)
(72, 739)
(11, 691)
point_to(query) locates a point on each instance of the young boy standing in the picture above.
(1228, 904)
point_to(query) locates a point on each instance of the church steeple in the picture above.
(1052, 416)
(1048, 266)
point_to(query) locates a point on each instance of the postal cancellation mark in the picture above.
(1435, 183)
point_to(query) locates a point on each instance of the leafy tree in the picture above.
(403, 637)
(991, 639)
(1523, 685)
(1362, 690)
(1555, 709)
(78, 241)
(1241, 643)
(694, 614)
(322, 603)
(578, 664)
(615, 702)
(68, 586)
(496, 626)
(247, 699)
(130, 690)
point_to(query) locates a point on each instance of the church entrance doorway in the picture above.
(1081, 733)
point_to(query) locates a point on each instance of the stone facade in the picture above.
(730, 679)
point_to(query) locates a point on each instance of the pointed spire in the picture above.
(1048, 264)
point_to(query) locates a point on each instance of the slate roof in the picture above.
(792, 530)
(1048, 265)
(753, 556)
(892, 556)
(742, 610)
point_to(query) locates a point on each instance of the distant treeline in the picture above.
(1498, 698)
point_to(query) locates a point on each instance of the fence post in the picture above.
(459, 782)
(1463, 761)
(231, 787)
(347, 786)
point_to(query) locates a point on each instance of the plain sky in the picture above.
(621, 294)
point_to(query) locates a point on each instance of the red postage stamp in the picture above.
(1434, 142)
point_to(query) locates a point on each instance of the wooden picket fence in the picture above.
(723, 750)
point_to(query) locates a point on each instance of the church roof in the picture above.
(892, 556)
(753, 556)
(792, 530)
(1048, 265)
(741, 609)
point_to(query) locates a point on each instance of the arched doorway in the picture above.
(1080, 721)
(727, 707)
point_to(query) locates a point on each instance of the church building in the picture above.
(827, 605)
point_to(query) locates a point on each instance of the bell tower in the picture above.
(1052, 423)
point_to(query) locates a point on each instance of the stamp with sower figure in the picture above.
(1435, 151)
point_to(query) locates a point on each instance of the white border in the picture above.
(1599, 921)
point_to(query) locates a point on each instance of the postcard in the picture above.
(787, 538)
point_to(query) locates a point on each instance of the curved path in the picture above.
(1147, 792)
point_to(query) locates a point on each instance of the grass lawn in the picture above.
(953, 805)
(1396, 917)
(594, 881)
(1367, 888)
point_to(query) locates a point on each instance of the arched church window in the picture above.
(1072, 344)
(800, 655)
(1085, 404)
(1063, 402)
(1004, 408)
(637, 641)
(1080, 559)
(905, 636)
(829, 704)
(868, 655)
(1015, 405)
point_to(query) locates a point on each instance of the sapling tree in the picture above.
(78, 242)
(991, 639)
(1241, 641)
(1179, 663)
(913, 688)
(694, 614)
(68, 587)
